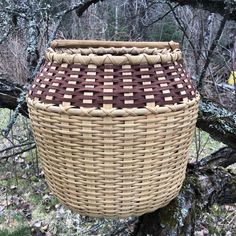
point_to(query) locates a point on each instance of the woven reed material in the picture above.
(55, 44)
(114, 166)
(98, 53)
(111, 86)
(114, 51)
(123, 59)
(113, 122)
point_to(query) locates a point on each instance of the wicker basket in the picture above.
(113, 122)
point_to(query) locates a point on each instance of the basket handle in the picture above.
(98, 43)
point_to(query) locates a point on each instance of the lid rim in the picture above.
(70, 43)
(125, 59)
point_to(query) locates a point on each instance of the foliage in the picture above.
(218, 221)
(20, 231)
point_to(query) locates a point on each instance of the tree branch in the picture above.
(181, 27)
(16, 146)
(20, 102)
(213, 118)
(18, 153)
(9, 93)
(34, 61)
(218, 121)
(224, 157)
(85, 5)
(210, 52)
(161, 17)
(221, 7)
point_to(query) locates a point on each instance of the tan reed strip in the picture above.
(113, 51)
(107, 44)
(125, 59)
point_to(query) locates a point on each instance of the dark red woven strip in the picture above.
(165, 85)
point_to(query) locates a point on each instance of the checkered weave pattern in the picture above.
(110, 86)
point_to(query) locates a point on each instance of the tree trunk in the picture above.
(215, 6)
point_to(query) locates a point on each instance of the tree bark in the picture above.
(221, 7)
(9, 93)
(224, 157)
(85, 5)
(218, 121)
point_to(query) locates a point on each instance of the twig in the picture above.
(186, 35)
(161, 17)
(13, 12)
(18, 153)
(222, 7)
(210, 53)
(180, 25)
(204, 145)
(16, 146)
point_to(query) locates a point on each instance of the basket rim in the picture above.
(98, 52)
(125, 59)
(71, 43)
(114, 112)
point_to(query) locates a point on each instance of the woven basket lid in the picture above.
(106, 74)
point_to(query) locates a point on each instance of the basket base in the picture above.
(100, 211)
(116, 216)
(114, 167)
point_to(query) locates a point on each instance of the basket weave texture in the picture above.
(113, 123)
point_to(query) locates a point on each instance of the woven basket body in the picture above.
(113, 123)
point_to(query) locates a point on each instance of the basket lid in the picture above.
(106, 74)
